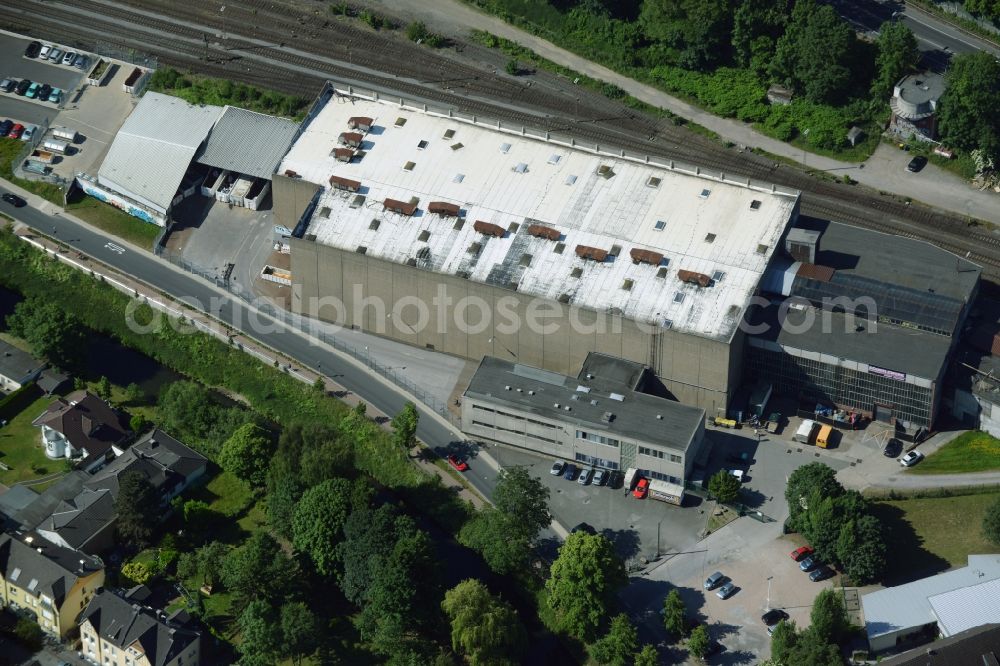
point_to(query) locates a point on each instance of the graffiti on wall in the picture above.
(120, 203)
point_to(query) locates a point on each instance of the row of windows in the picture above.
(659, 476)
(599, 439)
(516, 432)
(596, 462)
(515, 416)
(656, 453)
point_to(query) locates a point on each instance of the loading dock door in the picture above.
(883, 413)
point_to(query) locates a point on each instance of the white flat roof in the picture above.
(968, 607)
(722, 229)
(154, 148)
(916, 604)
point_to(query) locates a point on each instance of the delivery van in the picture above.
(824, 438)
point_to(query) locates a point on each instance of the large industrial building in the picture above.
(476, 240)
(608, 416)
(169, 149)
(861, 322)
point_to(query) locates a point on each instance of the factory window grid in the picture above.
(515, 416)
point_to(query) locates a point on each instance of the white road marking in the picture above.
(115, 248)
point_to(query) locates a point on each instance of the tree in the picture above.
(828, 617)
(513, 67)
(258, 570)
(897, 55)
(28, 632)
(724, 486)
(647, 656)
(814, 477)
(404, 427)
(966, 113)
(618, 646)
(300, 631)
(483, 628)
(104, 388)
(674, 614)
(319, 385)
(783, 641)
(583, 582)
(138, 509)
(698, 644)
(523, 499)
(862, 550)
(137, 572)
(49, 330)
(261, 635)
(186, 408)
(211, 557)
(991, 522)
(822, 75)
(823, 522)
(246, 454)
(811, 649)
(489, 533)
(137, 423)
(699, 30)
(187, 566)
(757, 26)
(318, 520)
(417, 31)
(284, 488)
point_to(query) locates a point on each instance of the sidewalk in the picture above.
(933, 186)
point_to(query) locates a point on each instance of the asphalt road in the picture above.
(170, 280)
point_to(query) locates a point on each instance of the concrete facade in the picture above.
(381, 297)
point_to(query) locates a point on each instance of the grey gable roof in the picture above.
(158, 456)
(79, 519)
(123, 624)
(15, 363)
(55, 568)
(248, 142)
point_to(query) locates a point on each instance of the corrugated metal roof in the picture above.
(897, 608)
(968, 607)
(248, 142)
(154, 148)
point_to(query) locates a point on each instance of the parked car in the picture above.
(69, 58)
(16, 131)
(457, 462)
(32, 50)
(800, 552)
(14, 200)
(911, 458)
(56, 54)
(32, 91)
(714, 580)
(600, 477)
(557, 468)
(893, 448)
(809, 563)
(726, 591)
(641, 488)
(44, 92)
(43, 53)
(29, 133)
(8, 85)
(569, 472)
(55, 95)
(916, 164)
(81, 62)
(585, 476)
(5, 127)
(22, 87)
(822, 573)
(773, 617)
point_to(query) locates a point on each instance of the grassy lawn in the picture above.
(116, 222)
(9, 149)
(972, 451)
(20, 447)
(929, 535)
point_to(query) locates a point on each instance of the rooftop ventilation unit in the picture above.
(802, 244)
(489, 229)
(340, 183)
(401, 207)
(443, 209)
(691, 277)
(343, 154)
(542, 231)
(531, 393)
(645, 257)
(582, 389)
(352, 139)
(605, 171)
(591, 253)
(607, 417)
(617, 396)
(360, 123)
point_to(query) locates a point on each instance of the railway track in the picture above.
(182, 34)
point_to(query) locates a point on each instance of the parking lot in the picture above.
(13, 65)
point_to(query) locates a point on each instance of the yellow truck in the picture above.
(824, 438)
(720, 422)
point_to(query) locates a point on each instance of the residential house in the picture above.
(914, 106)
(79, 512)
(84, 428)
(49, 583)
(17, 368)
(120, 630)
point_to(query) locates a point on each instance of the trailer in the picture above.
(43, 156)
(54, 146)
(671, 493)
(631, 475)
(806, 432)
(32, 166)
(64, 133)
(275, 274)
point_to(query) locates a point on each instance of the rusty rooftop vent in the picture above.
(360, 122)
(691, 277)
(443, 208)
(593, 253)
(401, 207)
(343, 154)
(351, 138)
(542, 231)
(645, 257)
(489, 229)
(340, 183)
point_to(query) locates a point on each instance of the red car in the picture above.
(457, 462)
(801, 552)
(15, 131)
(641, 488)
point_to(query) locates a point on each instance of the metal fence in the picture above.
(310, 327)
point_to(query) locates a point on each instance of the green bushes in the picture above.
(220, 92)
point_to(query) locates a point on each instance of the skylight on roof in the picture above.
(457, 146)
(449, 133)
(459, 177)
(660, 225)
(421, 144)
(761, 249)
(668, 323)
(570, 180)
(33, 584)
(409, 166)
(654, 181)
(521, 167)
(704, 194)
(504, 148)
(709, 238)
(424, 236)
(679, 297)
(14, 574)
(555, 159)
(400, 121)
(755, 204)
(718, 276)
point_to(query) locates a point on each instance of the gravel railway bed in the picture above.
(589, 117)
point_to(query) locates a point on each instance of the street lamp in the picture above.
(769, 579)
